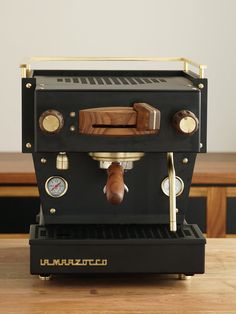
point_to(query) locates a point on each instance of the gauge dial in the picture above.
(56, 186)
(179, 186)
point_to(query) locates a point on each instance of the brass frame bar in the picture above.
(172, 194)
(26, 66)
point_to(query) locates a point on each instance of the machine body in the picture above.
(114, 153)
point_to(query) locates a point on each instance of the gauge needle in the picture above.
(55, 186)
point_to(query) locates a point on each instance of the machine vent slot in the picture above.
(90, 80)
(117, 232)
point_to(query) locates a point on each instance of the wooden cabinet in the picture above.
(213, 191)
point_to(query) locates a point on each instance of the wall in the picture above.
(202, 30)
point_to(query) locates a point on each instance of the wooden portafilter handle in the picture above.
(115, 186)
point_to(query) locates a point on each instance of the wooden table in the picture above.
(213, 292)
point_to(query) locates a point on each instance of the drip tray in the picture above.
(116, 249)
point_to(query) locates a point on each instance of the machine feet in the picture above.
(45, 277)
(185, 277)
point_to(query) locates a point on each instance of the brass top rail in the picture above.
(26, 66)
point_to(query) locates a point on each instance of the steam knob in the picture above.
(185, 122)
(51, 121)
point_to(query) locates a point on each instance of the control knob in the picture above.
(185, 122)
(51, 121)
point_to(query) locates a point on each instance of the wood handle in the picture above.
(141, 119)
(115, 184)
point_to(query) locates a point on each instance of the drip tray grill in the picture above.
(115, 232)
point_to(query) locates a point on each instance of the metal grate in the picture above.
(112, 80)
(112, 232)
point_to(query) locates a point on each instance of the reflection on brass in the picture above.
(45, 278)
(52, 210)
(43, 160)
(26, 67)
(51, 121)
(172, 196)
(188, 125)
(62, 162)
(118, 157)
(73, 262)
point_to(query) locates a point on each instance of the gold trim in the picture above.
(47, 190)
(73, 262)
(26, 67)
(172, 196)
(120, 156)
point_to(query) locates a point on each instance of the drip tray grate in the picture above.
(115, 232)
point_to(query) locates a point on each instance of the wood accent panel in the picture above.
(19, 191)
(213, 292)
(140, 119)
(216, 212)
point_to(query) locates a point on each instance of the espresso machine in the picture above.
(114, 152)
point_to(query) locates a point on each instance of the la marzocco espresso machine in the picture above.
(114, 152)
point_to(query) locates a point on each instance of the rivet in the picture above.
(28, 145)
(201, 145)
(43, 160)
(72, 128)
(72, 114)
(185, 161)
(28, 85)
(201, 86)
(52, 210)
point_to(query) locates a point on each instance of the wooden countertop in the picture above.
(211, 168)
(213, 292)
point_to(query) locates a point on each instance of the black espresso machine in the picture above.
(114, 152)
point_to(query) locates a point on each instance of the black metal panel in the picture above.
(168, 102)
(231, 215)
(174, 254)
(196, 212)
(28, 113)
(85, 202)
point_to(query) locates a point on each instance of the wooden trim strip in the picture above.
(19, 191)
(231, 191)
(198, 192)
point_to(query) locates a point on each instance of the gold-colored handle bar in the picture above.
(26, 67)
(172, 192)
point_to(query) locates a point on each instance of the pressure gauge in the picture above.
(56, 186)
(179, 186)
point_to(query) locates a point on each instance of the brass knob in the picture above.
(51, 121)
(185, 122)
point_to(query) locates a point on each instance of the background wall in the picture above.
(202, 30)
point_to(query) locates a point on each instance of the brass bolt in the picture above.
(185, 161)
(43, 160)
(28, 85)
(72, 128)
(28, 145)
(72, 114)
(201, 86)
(52, 210)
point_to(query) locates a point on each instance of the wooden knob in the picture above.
(51, 121)
(185, 122)
(115, 184)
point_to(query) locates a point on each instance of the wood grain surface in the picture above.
(213, 292)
